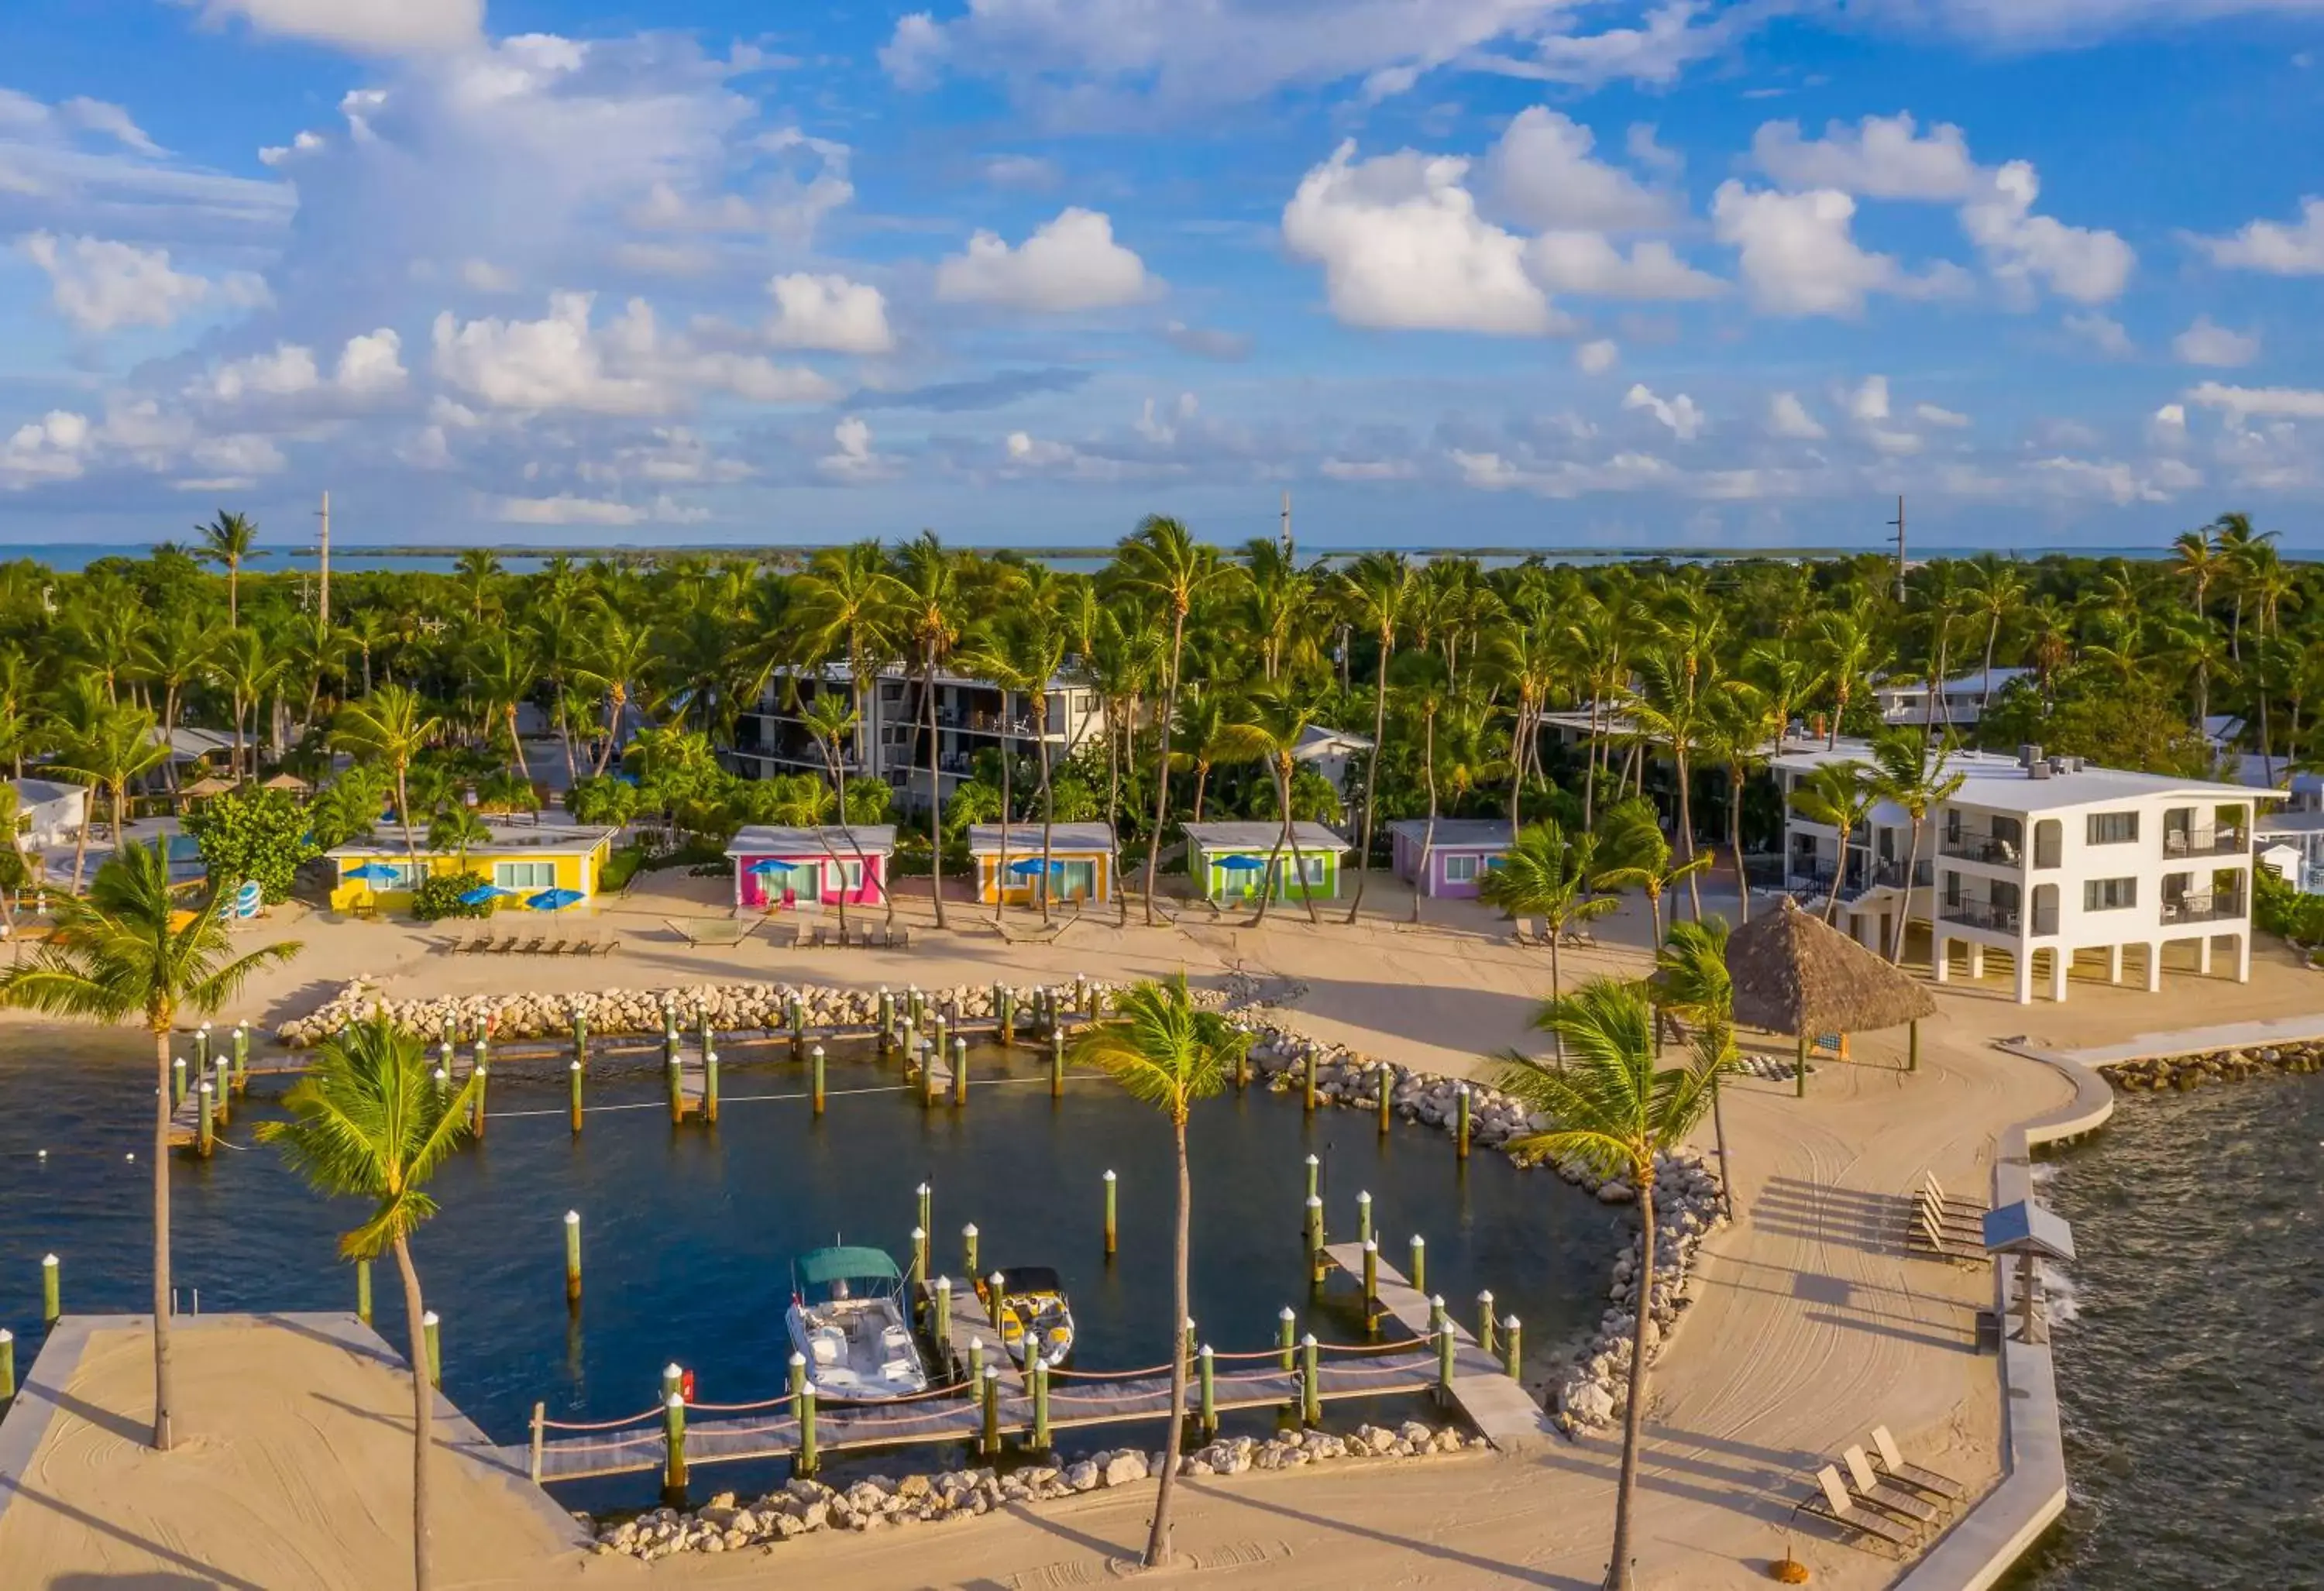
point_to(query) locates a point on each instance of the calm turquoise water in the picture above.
(2192, 1373)
(690, 1233)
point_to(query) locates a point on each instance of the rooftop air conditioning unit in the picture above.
(2038, 769)
(2028, 756)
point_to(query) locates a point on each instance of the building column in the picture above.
(2023, 959)
(1976, 959)
(2154, 967)
(1941, 957)
(2114, 963)
(2203, 955)
(2061, 958)
(2243, 957)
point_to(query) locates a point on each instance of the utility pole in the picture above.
(1899, 524)
(1287, 525)
(323, 546)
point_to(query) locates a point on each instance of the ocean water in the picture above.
(688, 1234)
(2191, 1364)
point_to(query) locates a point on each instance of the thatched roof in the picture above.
(1794, 973)
(212, 786)
(287, 781)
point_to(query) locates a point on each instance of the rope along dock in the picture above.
(1496, 1404)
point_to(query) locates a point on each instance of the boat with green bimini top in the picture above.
(1033, 1311)
(850, 1320)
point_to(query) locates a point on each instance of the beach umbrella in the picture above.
(1032, 865)
(1241, 864)
(553, 900)
(374, 873)
(766, 865)
(483, 893)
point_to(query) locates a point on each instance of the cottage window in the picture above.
(1460, 869)
(2113, 828)
(525, 875)
(2109, 894)
(1312, 870)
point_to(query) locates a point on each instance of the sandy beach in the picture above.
(1809, 1326)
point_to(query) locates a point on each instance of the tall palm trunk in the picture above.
(1617, 1571)
(1686, 832)
(1162, 764)
(616, 700)
(1049, 805)
(1157, 1541)
(1291, 834)
(1735, 838)
(1371, 775)
(1589, 770)
(80, 836)
(1904, 914)
(403, 816)
(935, 781)
(1001, 865)
(162, 1377)
(1992, 638)
(1113, 735)
(423, 1416)
(1428, 834)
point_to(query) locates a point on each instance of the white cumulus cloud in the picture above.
(372, 27)
(1597, 357)
(1070, 264)
(1403, 246)
(100, 285)
(1586, 263)
(2294, 250)
(852, 459)
(2103, 333)
(1798, 253)
(2087, 264)
(1541, 173)
(2272, 402)
(1787, 416)
(1680, 414)
(1882, 157)
(627, 367)
(830, 313)
(2205, 341)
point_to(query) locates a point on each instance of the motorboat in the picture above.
(1034, 1316)
(849, 1319)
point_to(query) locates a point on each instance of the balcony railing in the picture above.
(2203, 908)
(2206, 842)
(1984, 914)
(1981, 848)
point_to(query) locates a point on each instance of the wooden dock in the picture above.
(1500, 1409)
(716, 1434)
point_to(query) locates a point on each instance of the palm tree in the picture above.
(1023, 654)
(121, 746)
(1163, 560)
(1690, 981)
(1614, 1110)
(122, 954)
(1547, 875)
(1839, 794)
(1165, 1053)
(1422, 691)
(390, 725)
(1272, 723)
(930, 606)
(1634, 855)
(2240, 545)
(1373, 593)
(1736, 734)
(368, 1121)
(456, 829)
(1680, 685)
(850, 605)
(1997, 594)
(230, 541)
(1204, 716)
(246, 667)
(1852, 651)
(622, 655)
(504, 667)
(831, 720)
(1907, 770)
(2198, 563)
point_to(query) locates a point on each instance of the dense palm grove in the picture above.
(1209, 664)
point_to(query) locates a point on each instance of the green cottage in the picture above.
(1234, 861)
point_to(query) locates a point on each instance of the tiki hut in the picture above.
(287, 781)
(203, 788)
(1793, 973)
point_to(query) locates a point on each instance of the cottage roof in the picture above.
(1794, 973)
(1025, 839)
(843, 840)
(1457, 834)
(41, 792)
(501, 840)
(1260, 836)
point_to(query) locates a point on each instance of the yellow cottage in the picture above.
(522, 859)
(1008, 862)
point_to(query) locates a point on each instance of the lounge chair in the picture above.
(1521, 930)
(609, 945)
(1579, 938)
(530, 947)
(876, 938)
(1900, 1503)
(555, 947)
(502, 947)
(1926, 1234)
(1894, 1465)
(900, 938)
(819, 937)
(1829, 1502)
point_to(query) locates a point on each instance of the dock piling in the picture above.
(968, 1248)
(580, 1038)
(1056, 1066)
(363, 1290)
(539, 1419)
(805, 1463)
(206, 1131)
(1314, 1239)
(1040, 1378)
(1511, 1354)
(959, 1071)
(1419, 1277)
(887, 1019)
(476, 1104)
(7, 1364)
(430, 1328)
(1287, 1338)
(1460, 1130)
(1111, 1184)
(1307, 1087)
(52, 1295)
(1311, 1389)
(178, 1082)
(1314, 1176)
(1210, 1395)
(1445, 1361)
(818, 1058)
(1387, 1098)
(943, 1332)
(202, 1046)
(1485, 1321)
(674, 1073)
(991, 1434)
(796, 1011)
(992, 1287)
(710, 1087)
(976, 1361)
(573, 1092)
(1371, 1286)
(572, 1259)
(241, 1057)
(926, 1198)
(919, 1256)
(1364, 1217)
(221, 1081)
(673, 1468)
(1004, 1015)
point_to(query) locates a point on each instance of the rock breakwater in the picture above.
(2181, 1073)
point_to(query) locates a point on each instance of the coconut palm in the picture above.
(1910, 772)
(1372, 594)
(1633, 853)
(368, 1121)
(1850, 650)
(456, 829)
(122, 953)
(1268, 729)
(1022, 653)
(930, 618)
(1547, 874)
(230, 541)
(1690, 981)
(830, 719)
(390, 725)
(1615, 1111)
(1997, 594)
(1204, 716)
(1163, 562)
(1167, 1052)
(619, 658)
(117, 748)
(1840, 795)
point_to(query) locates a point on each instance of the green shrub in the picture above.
(439, 896)
(252, 834)
(620, 867)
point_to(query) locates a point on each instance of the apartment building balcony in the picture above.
(1994, 916)
(2202, 908)
(2206, 842)
(1994, 850)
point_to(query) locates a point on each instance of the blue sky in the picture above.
(1553, 272)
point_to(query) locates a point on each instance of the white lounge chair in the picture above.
(1897, 1467)
(1829, 1502)
(1900, 1503)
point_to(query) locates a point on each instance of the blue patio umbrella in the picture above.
(483, 893)
(770, 864)
(375, 873)
(1241, 864)
(1032, 865)
(553, 900)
